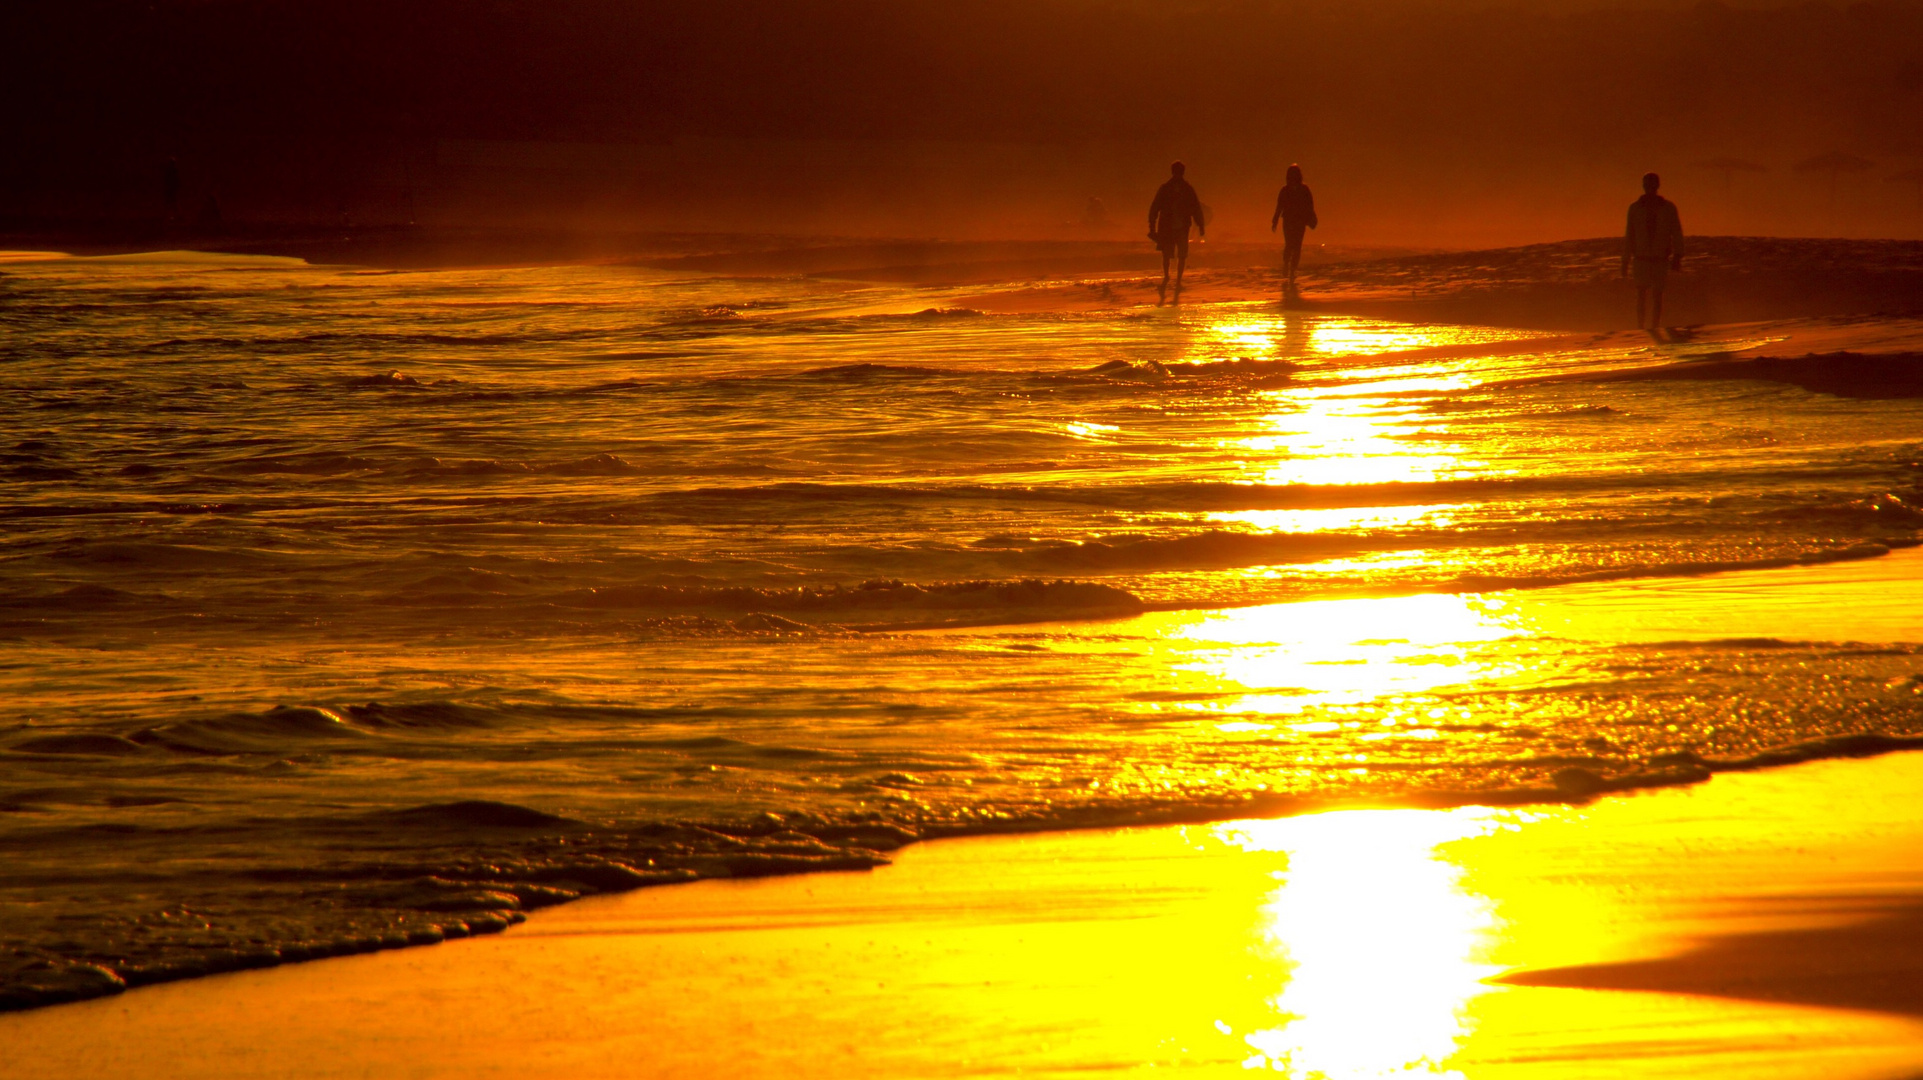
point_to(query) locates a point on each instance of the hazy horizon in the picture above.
(1420, 123)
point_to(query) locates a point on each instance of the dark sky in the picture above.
(1419, 122)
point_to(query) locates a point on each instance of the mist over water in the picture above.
(1421, 123)
(321, 575)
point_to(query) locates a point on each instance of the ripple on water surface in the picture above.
(345, 610)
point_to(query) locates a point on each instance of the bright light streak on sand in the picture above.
(1384, 946)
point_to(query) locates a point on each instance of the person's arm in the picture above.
(1675, 238)
(1154, 211)
(1201, 220)
(1308, 203)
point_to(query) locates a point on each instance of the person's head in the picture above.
(1177, 169)
(1651, 182)
(1294, 175)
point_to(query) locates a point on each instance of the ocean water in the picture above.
(342, 609)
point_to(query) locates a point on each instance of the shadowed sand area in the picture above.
(1354, 943)
(1762, 924)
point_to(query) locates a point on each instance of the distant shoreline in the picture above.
(1571, 285)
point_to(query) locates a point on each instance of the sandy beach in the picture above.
(1758, 926)
(1761, 924)
(1126, 608)
(831, 539)
(1570, 285)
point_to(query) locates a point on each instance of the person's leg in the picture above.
(1651, 276)
(1161, 294)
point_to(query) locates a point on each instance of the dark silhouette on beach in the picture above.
(1652, 247)
(1176, 206)
(1295, 209)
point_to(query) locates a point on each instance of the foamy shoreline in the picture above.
(1864, 600)
(362, 656)
(1569, 285)
(1124, 949)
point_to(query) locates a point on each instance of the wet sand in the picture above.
(1569, 285)
(1393, 938)
(1758, 925)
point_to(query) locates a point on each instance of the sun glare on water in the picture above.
(1266, 336)
(1342, 440)
(1277, 658)
(1336, 519)
(1321, 430)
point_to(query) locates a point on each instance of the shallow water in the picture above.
(742, 576)
(1353, 945)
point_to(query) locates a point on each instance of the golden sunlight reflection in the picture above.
(1338, 337)
(1260, 336)
(1337, 518)
(1091, 431)
(1328, 651)
(1250, 338)
(1384, 947)
(1321, 433)
(1350, 441)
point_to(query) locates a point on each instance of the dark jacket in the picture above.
(1176, 206)
(1296, 207)
(1654, 230)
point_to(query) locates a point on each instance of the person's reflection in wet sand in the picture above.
(1176, 206)
(1652, 247)
(1295, 209)
(1296, 341)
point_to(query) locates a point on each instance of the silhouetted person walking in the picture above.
(1652, 247)
(1295, 209)
(1176, 206)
